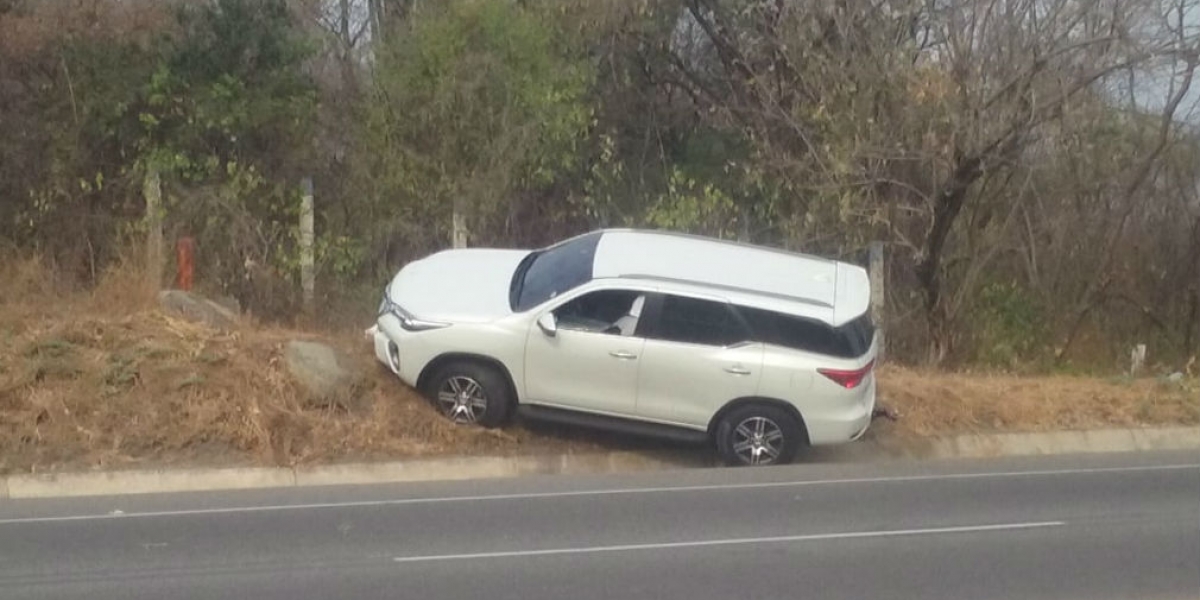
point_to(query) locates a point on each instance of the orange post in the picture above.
(185, 257)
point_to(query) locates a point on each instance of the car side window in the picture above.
(696, 321)
(614, 312)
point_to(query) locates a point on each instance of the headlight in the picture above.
(407, 321)
(411, 324)
(385, 303)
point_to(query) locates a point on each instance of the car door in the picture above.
(591, 361)
(697, 357)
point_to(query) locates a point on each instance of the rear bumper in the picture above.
(844, 425)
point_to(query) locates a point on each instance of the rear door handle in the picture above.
(623, 355)
(737, 370)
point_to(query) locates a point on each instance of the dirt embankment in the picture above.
(107, 380)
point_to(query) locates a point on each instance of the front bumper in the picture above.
(387, 339)
(383, 354)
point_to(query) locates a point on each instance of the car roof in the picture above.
(774, 279)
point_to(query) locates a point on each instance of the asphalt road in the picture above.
(1089, 527)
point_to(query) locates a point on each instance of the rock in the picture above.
(230, 303)
(886, 413)
(326, 375)
(197, 309)
(1175, 377)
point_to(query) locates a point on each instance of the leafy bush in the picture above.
(1008, 326)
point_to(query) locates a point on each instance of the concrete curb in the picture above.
(459, 468)
(59, 485)
(1067, 442)
(990, 445)
(144, 482)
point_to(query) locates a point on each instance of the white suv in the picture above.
(758, 350)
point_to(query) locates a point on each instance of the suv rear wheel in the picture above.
(470, 393)
(758, 434)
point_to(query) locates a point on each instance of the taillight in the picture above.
(848, 379)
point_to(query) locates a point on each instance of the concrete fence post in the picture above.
(307, 239)
(875, 272)
(155, 255)
(1137, 359)
(458, 225)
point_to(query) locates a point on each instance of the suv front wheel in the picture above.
(470, 393)
(758, 434)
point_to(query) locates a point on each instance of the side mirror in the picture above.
(548, 324)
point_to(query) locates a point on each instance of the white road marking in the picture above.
(727, 542)
(596, 492)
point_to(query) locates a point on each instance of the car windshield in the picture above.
(547, 273)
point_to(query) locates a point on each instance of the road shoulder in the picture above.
(880, 448)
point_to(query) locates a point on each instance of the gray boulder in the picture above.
(196, 309)
(327, 376)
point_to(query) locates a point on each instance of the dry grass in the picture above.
(105, 380)
(932, 403)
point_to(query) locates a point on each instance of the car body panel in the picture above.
(853, 296)
(688, 383)
(583, 369)
(468, 285)
(719, 264)
(831, 413)
(501, 341)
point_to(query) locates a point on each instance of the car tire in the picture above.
(471, 393)
(758, 435)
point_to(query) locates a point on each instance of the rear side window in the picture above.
(695, 321)
(859, 334)
(848, 341)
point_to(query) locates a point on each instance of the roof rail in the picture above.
(713, 240)
(728, 288)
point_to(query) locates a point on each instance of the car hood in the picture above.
(457, 285)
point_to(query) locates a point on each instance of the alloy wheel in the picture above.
(462, 399)
(758, 441)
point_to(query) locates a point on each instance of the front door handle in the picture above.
(737, 370)
(623, 355)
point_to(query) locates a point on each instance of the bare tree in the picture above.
(914, 114)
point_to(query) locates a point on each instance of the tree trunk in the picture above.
(375, 18)
(941, 342)
(1193, 323)
(344, 24)
(949, 204)
(1192, 327)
